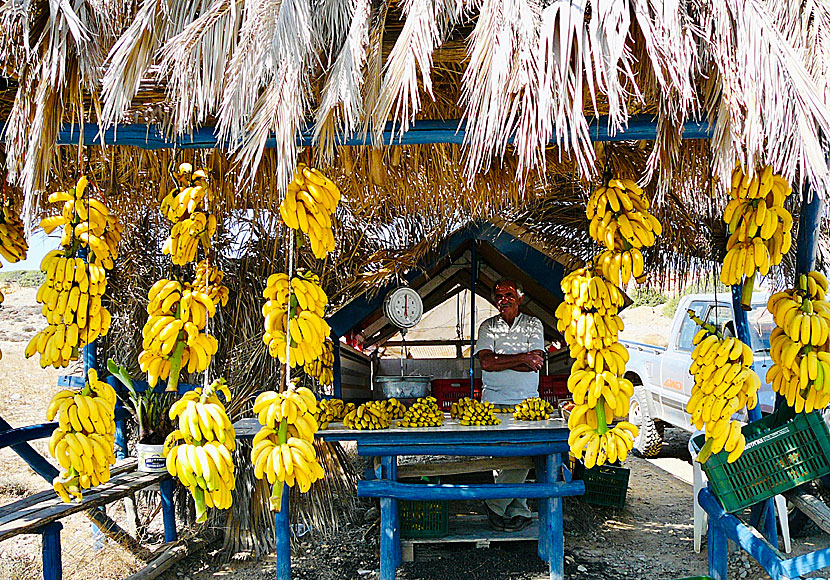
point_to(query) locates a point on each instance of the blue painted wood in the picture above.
(554, 529)
(168, 510)
(337, 370)
(388, 523)
(538, 435)
(441, 491)
(423, 132)
(508, 450)
(282, 538)
(809, 222)
(71, 382)
(806, 563)
(90, 357)
(473, 280)
(51, 551)
(718, 552)
(540, 464)
(16, 439)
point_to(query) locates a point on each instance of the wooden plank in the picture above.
(466, 465)
(178, 551)
(813, 508)
(423, 492)
(473, 529)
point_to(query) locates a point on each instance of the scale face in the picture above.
(403, 307)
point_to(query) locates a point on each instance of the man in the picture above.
(510, 349)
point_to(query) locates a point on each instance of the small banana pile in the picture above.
(533, 409)
(199, 451)
(760, 226)
(322, 368)
(83, 442)
(308, 206)
(393, 407)
(301, 321)
(621, 222)
(209, 280)
(423, 413)
(472, 412)
(173, 334)
(504, 409)
(368, 416)
(329, 410)
(284, 446)
(87, 223)
(724, 384)
(183, 206)
(800, 344)
(13, 245)
(71, 297)
(458, 406)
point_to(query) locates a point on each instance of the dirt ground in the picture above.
(650, 538)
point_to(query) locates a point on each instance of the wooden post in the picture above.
(51, 550)
(541, 475)
(718, 551)
(389, 553)
(283, 537)
(120, 424)
(473, 276)
(553, 521)
(337, 369)
(168, 509)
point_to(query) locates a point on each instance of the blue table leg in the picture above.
(718, 551)
(540, 463)
(283, 538)
(390, 542)
(554, 524)
(167, 509)
(51, 549)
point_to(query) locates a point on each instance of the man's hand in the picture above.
(534, 360)
(524, 361)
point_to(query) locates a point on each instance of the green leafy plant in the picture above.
(149, 408)
(647, 297)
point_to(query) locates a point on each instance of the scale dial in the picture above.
(403, 307)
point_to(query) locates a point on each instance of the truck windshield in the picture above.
(759, 318)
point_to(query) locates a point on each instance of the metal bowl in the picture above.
(404, 387)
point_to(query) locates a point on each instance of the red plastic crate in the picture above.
(553, 388)
(448, 391)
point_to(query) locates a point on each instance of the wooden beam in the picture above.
(465, 465)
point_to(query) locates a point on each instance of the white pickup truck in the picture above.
(661, 376)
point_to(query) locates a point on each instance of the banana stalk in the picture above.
(176, 365)
(746, 292)
(279, 486)
(602, 424)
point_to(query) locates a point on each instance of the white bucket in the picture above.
(150, 459)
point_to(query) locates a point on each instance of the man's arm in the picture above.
(523, 361)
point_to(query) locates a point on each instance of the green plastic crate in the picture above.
(424, 519)
(605, 485)
(775, 460)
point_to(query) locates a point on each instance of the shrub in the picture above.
(26, 278)
(699, 287)
(647, 297)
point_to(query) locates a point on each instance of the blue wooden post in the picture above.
(390, 544)
(473, 277)
(540, 463)
(168, 509)
(718, 551)
(120, 423)
(51, 551)
(283, 537)
(337, 369)
(553, 521)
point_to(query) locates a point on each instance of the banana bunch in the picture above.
(422, 413)
(368, 416)
(589, 387)
(800, 344)
(504, 408)
(13, 245)
(329, 410)
(471, 412)
(760, 227)
(588, 315)
(299, 320)
(308, 206)
(533, 409)
(192, 224)
(199, 451)
(283, 449)
(209, 279)
(595, 448)
(87, 223)
(393, 407)
(71, 298)
(83, 442)
(724, 384)
(620, 221)
(322, 368)
(173, 337)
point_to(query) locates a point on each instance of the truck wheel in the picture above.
(802, 526)
(649, 442)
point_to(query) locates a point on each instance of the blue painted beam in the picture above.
(436, 491)
(9, 437)
(34, 459)
(506, 450)
(809, 222)
(557, 436)
(422, 132)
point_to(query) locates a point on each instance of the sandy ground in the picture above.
(650, 538)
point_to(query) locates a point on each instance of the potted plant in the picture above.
(150, 411)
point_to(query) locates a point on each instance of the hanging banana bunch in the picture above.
(322, 367)
(300, 321)
(724, 384)
(800, 344)
(72, 292)
(308, 206)
(283, 449)
(83, 442)
(209, 280)
(760, 227)
(174, 337)
(13, 245)
(199, 451)
(620, 221)
(184, 206)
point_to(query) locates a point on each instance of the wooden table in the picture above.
(545, 441)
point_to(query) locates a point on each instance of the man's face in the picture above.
(507, 300)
